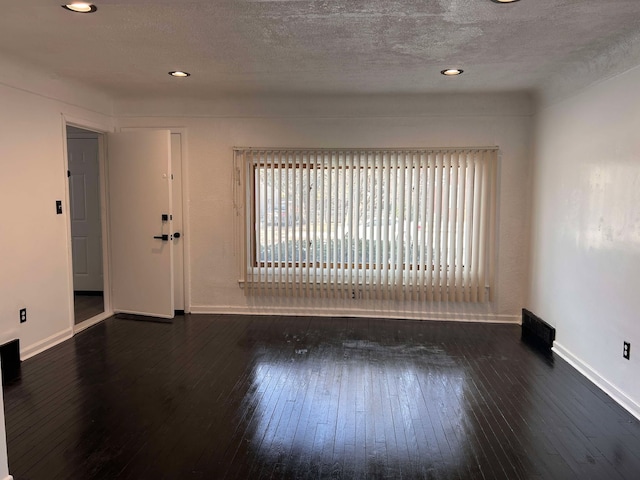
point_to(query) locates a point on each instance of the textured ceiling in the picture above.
(127, 47)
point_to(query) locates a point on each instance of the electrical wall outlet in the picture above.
(23, 315)
(626, 350)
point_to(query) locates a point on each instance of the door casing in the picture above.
(101, 130)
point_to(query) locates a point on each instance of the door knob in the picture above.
(164, 238)
(176, 235)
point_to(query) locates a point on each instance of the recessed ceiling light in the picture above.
(451, 72)
(179, 73)
(80, 7)
(504, 1)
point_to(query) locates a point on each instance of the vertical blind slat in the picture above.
(462, 172)
(297, 224)
(400, 227)
(287, 213)
(272, 266)
(438, 228)
(453, 225)
(322, 198)
(308, 257)
(491, 243)
(425, 225)
(371, 180)
(476, 228)
(429, 265)
(468, 222)
(483, 229)
(355, 222)
(415, 214)
(364, 259)
(334, 222)
(393, 225)
(446, 170)
(377, 222)
(384, 226)
(262, 279)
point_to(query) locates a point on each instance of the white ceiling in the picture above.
(127, 47)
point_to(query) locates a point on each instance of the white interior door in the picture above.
(139, 174)
(86, 227)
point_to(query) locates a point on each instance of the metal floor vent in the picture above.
(537, 331)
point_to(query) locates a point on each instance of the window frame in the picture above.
(252, 265)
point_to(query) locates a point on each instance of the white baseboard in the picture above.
(619, 396)
(91, 322)
(45, 344)
(358, 313)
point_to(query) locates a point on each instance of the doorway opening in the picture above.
(85, 209)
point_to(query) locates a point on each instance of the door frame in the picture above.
(101, 130)
(186, 224)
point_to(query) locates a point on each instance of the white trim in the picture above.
(9, 477)
(186, 221)
(598, 380)
(86, 124)
(365, 149)
(66, 209)
(358, 313)
(88, 134)
(91, 322)
(104, 219)
(144, 314)
(45, 344)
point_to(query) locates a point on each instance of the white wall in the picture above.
(585, 262)
(394, 121)
(34, 261)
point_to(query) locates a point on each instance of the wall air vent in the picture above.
(537, 331)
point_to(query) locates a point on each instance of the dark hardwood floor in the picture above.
(213, 397)
(87, 305)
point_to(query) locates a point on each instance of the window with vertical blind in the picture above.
(412, 224)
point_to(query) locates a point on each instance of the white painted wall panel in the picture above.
(491, 120)
(585, 275)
